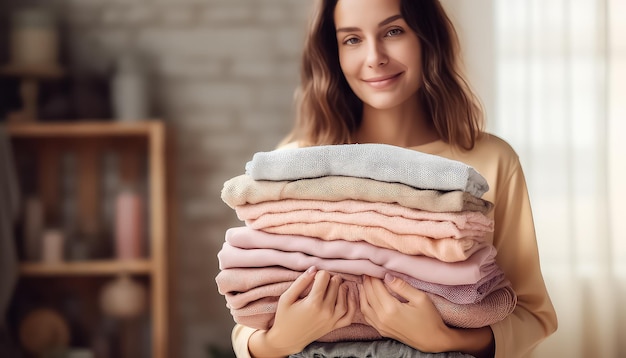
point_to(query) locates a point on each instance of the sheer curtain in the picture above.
(552, 74)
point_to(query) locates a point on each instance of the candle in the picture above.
(53, 246)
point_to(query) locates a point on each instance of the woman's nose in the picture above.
(376, 55)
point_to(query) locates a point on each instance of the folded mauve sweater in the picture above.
(243, 189)
(481, 264)
(496, 306)
(383, 162)
(240, 286)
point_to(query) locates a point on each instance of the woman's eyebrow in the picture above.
(390, 19)
(386, 21)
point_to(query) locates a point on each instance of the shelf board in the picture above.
(32, 71)
(83, 128)
(85, 268)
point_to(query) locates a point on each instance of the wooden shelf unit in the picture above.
(144, 138)
(90, 268)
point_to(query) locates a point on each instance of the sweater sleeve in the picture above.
(240, 337)
(534, 318)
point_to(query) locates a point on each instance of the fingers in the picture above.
(374, 298)
(336, 297)
(374, 290)
(341, 304)
(345, 308)
(364, 303)
(403, 289)
(352, 306)
(320, 286)
(332, 291)
(298, 286)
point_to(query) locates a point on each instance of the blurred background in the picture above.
(153, 104)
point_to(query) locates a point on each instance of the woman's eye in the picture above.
(394, 32)
(351, 41)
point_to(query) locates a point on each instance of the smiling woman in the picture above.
(402, 39)
(387, 72)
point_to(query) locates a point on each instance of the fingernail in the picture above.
(310, 270)
(389, 278)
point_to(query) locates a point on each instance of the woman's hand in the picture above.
(300, 321)
(416, 322)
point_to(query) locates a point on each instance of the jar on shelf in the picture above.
(123, 298)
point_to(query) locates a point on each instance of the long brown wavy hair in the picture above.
(328, 111)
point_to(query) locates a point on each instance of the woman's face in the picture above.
(379, 53)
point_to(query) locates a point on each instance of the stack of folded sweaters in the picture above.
(361, 209)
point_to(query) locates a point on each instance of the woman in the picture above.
(386, 71)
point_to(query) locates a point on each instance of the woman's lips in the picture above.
(383, 81)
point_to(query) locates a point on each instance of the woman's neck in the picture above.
(404, 126)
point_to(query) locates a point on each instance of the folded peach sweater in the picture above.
(481, 264)
(243, 189)
(404, 243)
(435, 224)
(386, 225)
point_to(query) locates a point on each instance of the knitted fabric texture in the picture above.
(381, 162)
(406, 244)
(362, 209)
(243, 189)
(445, 250)
(372, 349)
(240, 286)
(493, 308)
(466, 223)
(386, 225)
(478, 266)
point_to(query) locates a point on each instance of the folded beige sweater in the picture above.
(243, 189)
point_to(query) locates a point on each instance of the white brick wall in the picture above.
(224, 72)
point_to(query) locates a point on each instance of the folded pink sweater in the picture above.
(393, 217)
(480, 265)
(243, 189)
(247, 238)
(241, 286)
(493, 308)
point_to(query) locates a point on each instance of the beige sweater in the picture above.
(534, 318)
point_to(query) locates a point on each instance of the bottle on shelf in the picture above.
(129, 224)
